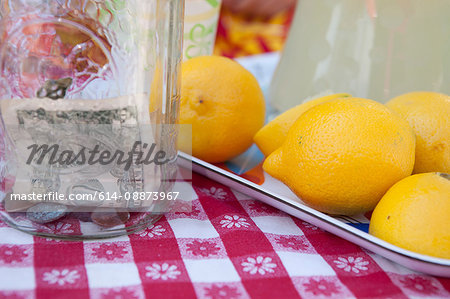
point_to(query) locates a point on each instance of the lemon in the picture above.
(428, 113)
(224, 104)
(272, 135)
(415, 214)
(341, 156)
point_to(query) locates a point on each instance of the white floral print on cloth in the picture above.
(420, 285)
(262, 208)
(57, 228)
(234, 221)
(12, 254)
(110, 251)
(203, 248)
(217, 193)
(123, 293)
(185, 208)
(152, 231)
(162, 271)
(260, 265)
(62, 277)
(292, 242)
(218, 292)
(321, 286)
(351, 264)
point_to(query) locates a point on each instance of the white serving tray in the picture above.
(239, 174)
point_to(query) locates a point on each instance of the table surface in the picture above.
(228, 246)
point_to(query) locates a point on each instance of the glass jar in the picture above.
(89, 95)
(375, 49)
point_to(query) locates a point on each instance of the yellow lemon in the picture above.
(415, 214)
(272, 135)
(224, 104)
(428, 113)
(341, 156)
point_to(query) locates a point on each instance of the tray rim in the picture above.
(415, 261)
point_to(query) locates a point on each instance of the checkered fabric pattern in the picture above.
(227, 246)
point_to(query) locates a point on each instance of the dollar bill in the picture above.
(50, 137)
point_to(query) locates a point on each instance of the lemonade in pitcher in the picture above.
(375, 49)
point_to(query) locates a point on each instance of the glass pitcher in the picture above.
(200, 26)
(89, 93)
(375, 49)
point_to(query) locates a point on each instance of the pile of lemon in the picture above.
(339, 154)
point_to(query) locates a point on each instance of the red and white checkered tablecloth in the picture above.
(229, 246)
